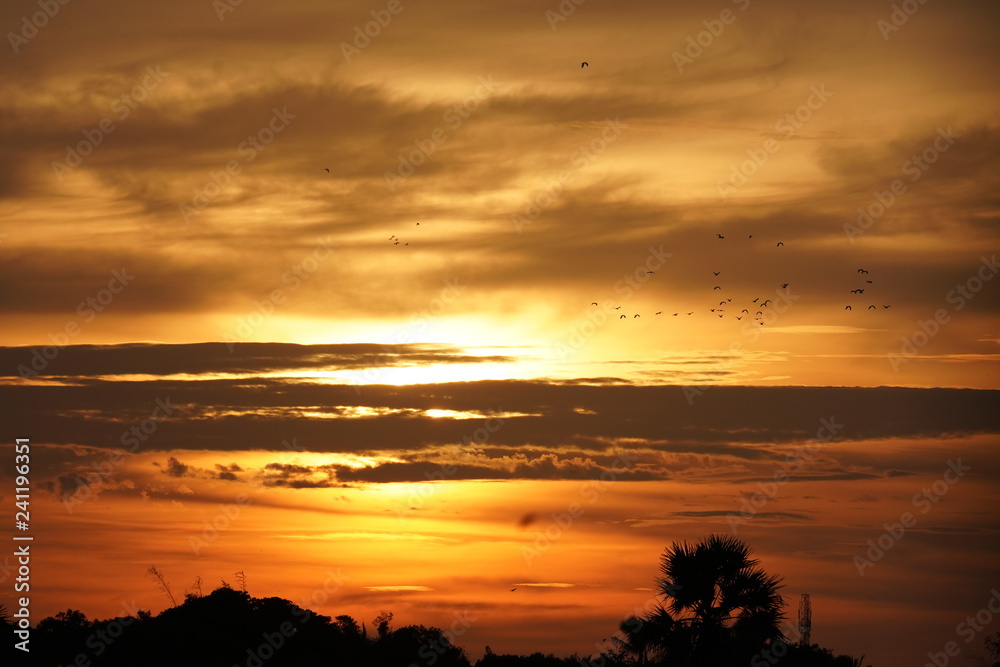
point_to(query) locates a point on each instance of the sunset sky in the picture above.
(324, 274)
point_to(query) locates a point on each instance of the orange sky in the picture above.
(443, 202)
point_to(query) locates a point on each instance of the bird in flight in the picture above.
(720, 236)
(593, 303)
(784, 285)
(635, 316)
(659, 312)
(779, 244)
(328, 171)
(847, 308)
(862, 271)
(715, 273)
(621, 317)
(716, 287)
(871, 307)
(584, 64)
(766, 302)
(887, 306)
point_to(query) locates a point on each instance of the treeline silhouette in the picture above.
(715, 608)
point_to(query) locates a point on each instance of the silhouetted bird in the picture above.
(328, 171)
(779, 244)
(593, 303)
(847, 308)
(871, 307)
(720, 236)
(784, 285)
(584, 64)
(659, 312)
(716, 287)
(766, 302)
(715, 273)
(887, 306)
(862, 271)
(622, 317)
(739, 317)
(635, 316)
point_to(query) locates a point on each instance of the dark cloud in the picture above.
(175, 468)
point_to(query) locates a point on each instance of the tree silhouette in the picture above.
(719, 608)
(642, 638)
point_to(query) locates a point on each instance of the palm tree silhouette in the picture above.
(720, 606)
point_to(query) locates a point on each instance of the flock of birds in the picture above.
(753, 310)
(861, 290)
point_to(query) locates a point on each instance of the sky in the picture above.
(386, 288)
